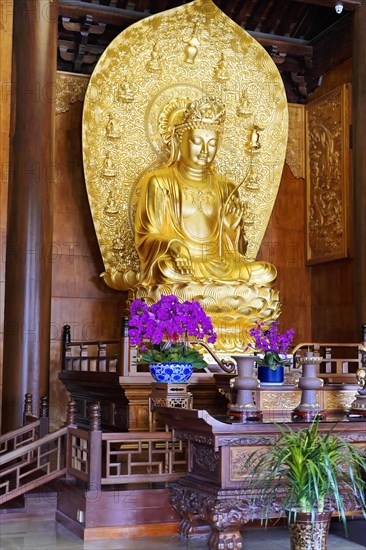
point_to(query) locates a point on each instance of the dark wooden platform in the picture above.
(115, 512)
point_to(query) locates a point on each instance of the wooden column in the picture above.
(30, 207)
(359, 158)
(6, 41)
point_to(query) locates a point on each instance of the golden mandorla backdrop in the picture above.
(183, 79)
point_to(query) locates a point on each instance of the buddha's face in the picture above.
(198, 147)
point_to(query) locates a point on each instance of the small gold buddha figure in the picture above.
(112, 128)
(249, 216)
(109, 169)
(189, 224)
(252, 181)
(125, 93)
(243, 108)
(221, 71)
(111, 206)
(117, 244)
(154, 64)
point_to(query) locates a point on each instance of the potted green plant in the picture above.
(272, 347)
(310, 472)
(162, 331)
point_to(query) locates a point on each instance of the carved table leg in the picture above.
(226, 518)
(220, 513)
(192, 524)
(186, 503)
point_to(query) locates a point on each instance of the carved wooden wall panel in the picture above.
(328, 176)
(333, 298)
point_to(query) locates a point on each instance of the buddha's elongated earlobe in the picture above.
(174, 149)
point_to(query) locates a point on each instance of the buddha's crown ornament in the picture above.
(181, 114)
(207, 112)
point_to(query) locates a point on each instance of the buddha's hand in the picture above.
(234, 212)
(181, 258)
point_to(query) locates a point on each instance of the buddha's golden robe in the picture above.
(174, 214)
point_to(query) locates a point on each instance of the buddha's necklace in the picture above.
(199, 197)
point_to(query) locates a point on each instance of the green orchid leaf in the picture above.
(176, 353)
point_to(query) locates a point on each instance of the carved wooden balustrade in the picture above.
(99, 356)
(97, 459)
(147, 458)
(19, 438)
(29, 456)
(340, 361)
(32, 463)
(33, 427)
(101, 459)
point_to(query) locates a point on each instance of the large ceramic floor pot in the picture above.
(309, 532)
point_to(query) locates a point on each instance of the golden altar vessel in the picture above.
(184, 139)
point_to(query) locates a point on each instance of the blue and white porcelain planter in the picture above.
(269, 377)
(171, 373)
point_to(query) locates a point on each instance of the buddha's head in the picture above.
(193, 130)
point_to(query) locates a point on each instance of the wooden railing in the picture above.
(29, 456)
(34, 427)
(97, 458)
(94, 458)
(89, 356)
(143, 458)
(19, 438)
(340, 361)
(32, 464)
(84, 448)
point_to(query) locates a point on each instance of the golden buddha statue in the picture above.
(181, 206)
(189, 224)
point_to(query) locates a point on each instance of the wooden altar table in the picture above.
(212, 497)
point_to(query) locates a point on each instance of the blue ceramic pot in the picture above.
(171, 373)
(269, 377)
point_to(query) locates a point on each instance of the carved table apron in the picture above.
(212, 497)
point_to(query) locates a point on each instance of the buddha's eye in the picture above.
(212, 143)
(196, 141)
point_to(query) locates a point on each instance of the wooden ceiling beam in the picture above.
(74, 9)
(290, 46)
(348, 5)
